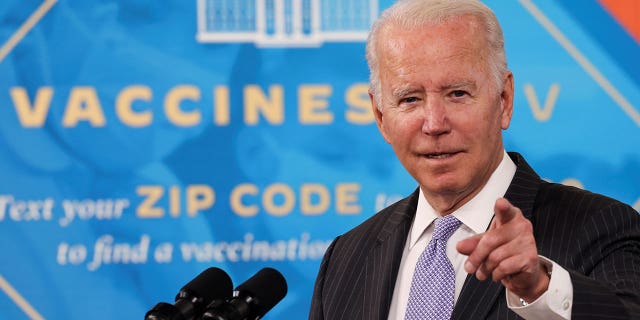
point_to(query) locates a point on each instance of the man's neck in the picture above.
(447, 203)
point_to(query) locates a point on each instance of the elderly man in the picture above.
(483, 236)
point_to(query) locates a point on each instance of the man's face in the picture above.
(441, 111)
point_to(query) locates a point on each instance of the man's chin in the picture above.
(447, 188)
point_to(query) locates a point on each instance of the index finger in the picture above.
(504, 211)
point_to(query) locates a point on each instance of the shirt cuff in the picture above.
(555, 303)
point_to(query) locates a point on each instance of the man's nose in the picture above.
(435, 121)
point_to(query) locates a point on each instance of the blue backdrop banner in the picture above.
(144, 141)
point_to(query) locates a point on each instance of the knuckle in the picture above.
(474, 259)
(502, 268)
(491, 240)
(477, 257)
(497, 274)
(488, 265)
(526, 226)
(495, 257)
(533, 260)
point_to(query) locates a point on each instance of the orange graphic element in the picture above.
(19, 300)
(26, 27)
(626, 12)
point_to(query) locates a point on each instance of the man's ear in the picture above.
(377, 112)
(506, 100)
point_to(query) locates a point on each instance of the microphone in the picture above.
(252, 299)
(209, 286)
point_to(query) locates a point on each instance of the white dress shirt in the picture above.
(476, 216)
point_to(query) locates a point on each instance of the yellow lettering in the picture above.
(306, 205)
(172, 105)
(357, 98)
(146, 209)
(221, 109)
(199, 197)
(255, 102)
(312, 104)
(347, 198)
(83, 105)
(236, 200)
(124, 108)
(174, 201)
(271, 192)
(542, 114)
(31, 116)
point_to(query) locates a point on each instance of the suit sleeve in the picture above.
(317, 310)
(608, 287)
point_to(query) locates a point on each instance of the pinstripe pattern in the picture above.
(357, 282)
(597, 239)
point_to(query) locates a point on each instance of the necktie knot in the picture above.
(445, 227)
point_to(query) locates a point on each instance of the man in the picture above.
(515, 245)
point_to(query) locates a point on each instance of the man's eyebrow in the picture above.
(401, 92)
(458, 85)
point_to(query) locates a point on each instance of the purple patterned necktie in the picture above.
(433, 284)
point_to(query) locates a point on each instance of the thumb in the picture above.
(467, 245)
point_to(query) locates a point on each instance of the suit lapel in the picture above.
(383, 262)
(524, 187)
(478, 297)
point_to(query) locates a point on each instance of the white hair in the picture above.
(410, 14)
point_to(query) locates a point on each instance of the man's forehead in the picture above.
(418, 48)
(459, 21)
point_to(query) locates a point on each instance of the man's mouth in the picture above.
(440, 155)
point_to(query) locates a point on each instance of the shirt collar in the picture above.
(475, 214)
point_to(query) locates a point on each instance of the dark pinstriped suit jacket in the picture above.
(597, 239)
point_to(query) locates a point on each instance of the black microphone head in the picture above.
(211, 284)
(267, 288)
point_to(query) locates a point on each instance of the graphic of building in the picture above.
(285, 23)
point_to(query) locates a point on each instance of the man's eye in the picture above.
(410, 100)
(458, 93)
